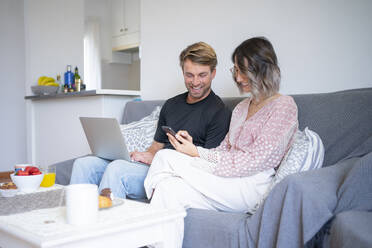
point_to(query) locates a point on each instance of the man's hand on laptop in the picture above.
(143, 157)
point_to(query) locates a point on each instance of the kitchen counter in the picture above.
(86, 93)
(54, 131)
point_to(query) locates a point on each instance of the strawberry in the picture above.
(36, 173)
(22, 173)
(28, 168)
(33, 170)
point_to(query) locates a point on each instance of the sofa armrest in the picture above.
(63, 171)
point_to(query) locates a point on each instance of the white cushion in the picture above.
(295, 158)
(306, 153)
(316, 150)
(139, 135)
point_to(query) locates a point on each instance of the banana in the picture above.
(40, 80)
(47, 80)
(51, 84)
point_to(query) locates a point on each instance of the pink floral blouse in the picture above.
(256, 144)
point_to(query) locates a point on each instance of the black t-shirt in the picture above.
(207, 121)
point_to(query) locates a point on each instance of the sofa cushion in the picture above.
(136, 110)
(295, 157)
(315, 156)
(139, 135)
(342, 119)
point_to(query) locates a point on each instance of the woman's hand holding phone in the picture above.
(185, 135)
(182, 142)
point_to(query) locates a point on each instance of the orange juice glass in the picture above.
(49, 177)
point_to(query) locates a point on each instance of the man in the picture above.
(199, 111)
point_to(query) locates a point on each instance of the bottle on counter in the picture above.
(69, 78)
(77, 76)
(61, 86)
(77, 84)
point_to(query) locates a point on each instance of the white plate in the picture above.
(8, 192)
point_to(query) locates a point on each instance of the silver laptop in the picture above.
(105, 138)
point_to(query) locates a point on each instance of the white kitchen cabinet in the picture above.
(125, 24)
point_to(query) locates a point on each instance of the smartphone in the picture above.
(169, 130)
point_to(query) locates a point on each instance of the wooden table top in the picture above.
(5, 176)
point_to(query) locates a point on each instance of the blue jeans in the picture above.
(125, 179)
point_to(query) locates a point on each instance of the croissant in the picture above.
(104, 202)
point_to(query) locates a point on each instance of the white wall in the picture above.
(54, 38)
(322, 46)
(54, 32)
(100, 10)
(12, 83)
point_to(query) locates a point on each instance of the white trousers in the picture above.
(175, 180)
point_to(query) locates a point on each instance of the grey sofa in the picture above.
(342, 119)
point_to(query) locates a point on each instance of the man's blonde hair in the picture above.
(199, 53)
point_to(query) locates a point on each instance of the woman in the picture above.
(235, 175)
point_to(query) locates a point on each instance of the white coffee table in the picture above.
(132, 224)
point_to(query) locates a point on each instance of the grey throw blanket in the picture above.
(301, 204)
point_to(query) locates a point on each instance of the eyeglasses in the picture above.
(234, 71)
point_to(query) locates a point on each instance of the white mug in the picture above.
(81, 204)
